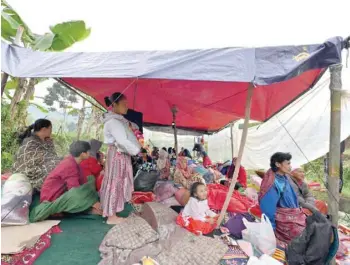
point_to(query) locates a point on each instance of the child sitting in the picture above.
(93, 165)
(197, 217)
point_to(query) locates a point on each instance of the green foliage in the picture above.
(39, 107)
(10, 21)
(59, 93)
(315, 170)
(8, 138)
(68, 33)
(61, 37)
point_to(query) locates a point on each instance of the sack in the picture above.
(145, 180)
(261, 235)
(164, 190)
(235, 224)
(15, 201)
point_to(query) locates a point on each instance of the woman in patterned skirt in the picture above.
(117, 185)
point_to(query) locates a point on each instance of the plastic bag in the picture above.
(145, 180)
(263, 260)
(261, 235)
(15, 200)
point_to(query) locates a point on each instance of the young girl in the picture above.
(197, 217)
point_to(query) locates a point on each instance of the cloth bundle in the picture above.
(15, 200)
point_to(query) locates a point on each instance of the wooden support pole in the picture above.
(240, 152)
(174, 111)
(231, 137)
(334, 147)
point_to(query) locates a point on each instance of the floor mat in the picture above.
(78, 243)
(15, 238)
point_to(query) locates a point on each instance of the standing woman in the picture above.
(117, 185)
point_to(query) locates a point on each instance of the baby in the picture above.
(197, 217)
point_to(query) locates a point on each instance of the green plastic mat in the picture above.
(79, 242)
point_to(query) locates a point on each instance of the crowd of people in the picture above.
(86, 180)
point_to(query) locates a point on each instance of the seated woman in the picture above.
(185, 153)
(36, 156)
(163, 164)
(206, 159)
(305, 197)
(64, 189)
(184, 175)
(92, 166)
(242, 174)
(145, 158)
(197, 217)
(278, 200)
(172, 156)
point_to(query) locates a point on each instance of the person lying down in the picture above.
(64, 190)
(196, 216)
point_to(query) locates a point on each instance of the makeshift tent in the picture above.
(208, 87)
(304, 124)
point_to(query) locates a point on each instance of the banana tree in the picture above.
(60, 37)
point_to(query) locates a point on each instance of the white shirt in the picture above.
(116, 132)
(198, 210)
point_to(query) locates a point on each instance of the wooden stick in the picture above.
(4, 78)
(240, 153)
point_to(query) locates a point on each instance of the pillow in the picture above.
(182, 196)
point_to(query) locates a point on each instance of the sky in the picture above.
(170, 25)
(151, 24)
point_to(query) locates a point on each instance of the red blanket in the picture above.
(217, 195)
(142, 197)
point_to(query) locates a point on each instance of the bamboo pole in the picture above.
(334, 143)
(240, 152)
(231, 137)
(174, 111)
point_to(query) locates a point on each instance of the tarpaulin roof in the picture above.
(208, 87)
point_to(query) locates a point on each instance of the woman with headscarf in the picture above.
(184, 175)
(242, 174)
(163, 164)
(118, 182)
(36, 156)
(305, 197)
(185, 153)
(92, 166)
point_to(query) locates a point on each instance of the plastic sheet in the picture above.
(15, 201)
